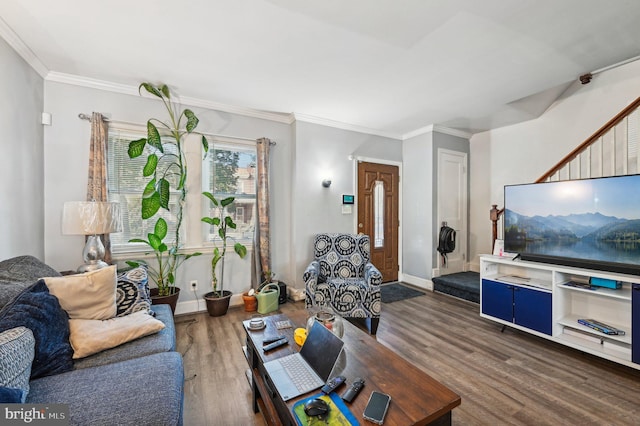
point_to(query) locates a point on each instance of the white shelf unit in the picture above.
(610, 306)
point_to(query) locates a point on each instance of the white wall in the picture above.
(21, 157)
(321, 152)
(523, 152)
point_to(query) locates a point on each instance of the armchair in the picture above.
(342, 277)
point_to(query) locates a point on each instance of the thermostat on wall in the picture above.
(347, 199)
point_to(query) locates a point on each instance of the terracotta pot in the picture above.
(217, 306)
(250, 302)
(171, 300)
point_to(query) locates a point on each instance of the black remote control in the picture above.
(273, 339)
(353, 391)
(275, 344)
(333, 384)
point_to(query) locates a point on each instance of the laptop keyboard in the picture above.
(301, 375)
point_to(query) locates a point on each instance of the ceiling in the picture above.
(394, 67)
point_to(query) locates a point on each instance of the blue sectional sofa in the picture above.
(136, 383)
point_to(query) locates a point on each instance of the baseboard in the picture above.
(418, 282)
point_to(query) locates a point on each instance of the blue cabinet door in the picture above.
(635, 324)
(497, 300)
(532, 309)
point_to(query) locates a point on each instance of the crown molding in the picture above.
(22, 49)
(344, 126)
(436, 128)
(196, 102)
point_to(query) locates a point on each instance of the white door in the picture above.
(452, 207)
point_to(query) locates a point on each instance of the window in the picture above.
(229, 170)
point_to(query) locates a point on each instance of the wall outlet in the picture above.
(194, 284)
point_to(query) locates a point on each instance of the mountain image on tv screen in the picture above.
(590, 219)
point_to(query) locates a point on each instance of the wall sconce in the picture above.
(326, 183)
(91, 218)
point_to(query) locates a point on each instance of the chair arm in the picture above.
(372, 275)
(311, 274)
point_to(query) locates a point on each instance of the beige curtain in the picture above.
(97, 183)
(262, 251)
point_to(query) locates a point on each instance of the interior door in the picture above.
(452, 207)
(378, 195)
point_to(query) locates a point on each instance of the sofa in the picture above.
(139, 382)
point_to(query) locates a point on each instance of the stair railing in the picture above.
(617, 142)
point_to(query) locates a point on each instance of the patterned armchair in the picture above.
(343, 278)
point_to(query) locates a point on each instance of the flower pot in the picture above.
(250, 302)
(217, 306)
(171, 299)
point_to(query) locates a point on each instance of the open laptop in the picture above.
(309, 369)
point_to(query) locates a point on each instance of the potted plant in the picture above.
(166, 171)
(218, 299)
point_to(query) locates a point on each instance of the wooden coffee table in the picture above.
(416, 398)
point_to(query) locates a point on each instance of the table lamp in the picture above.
(91, 218)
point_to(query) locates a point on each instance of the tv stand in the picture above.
(540, 299)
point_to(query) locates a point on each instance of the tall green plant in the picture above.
(222, 222)
(166, 169)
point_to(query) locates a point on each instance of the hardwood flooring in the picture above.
(509, 378)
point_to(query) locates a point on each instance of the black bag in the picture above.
(447, 242)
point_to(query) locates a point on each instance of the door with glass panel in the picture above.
(378, 214)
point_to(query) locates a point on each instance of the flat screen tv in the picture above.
(587, 223)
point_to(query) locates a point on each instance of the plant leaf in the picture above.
(208, 220)
(163, 193)
(161, 228)
(136, 148)
(150, 189)
(211, 198)
(240, 249)
(216, 221)
(172, 278)
(153, 137)
(150, 205)
(150, 167)
(192, 120)
(229, 222)
(205, 144)
(225, 202)
(154, 241)
(165, 90)
(151, 89)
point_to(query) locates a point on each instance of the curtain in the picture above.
(261, 248)
(97, 182)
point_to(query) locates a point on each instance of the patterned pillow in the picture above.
(132, 292)
(17, 348)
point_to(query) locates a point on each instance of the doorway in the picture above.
(378, 199)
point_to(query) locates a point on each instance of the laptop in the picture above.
(309, 369)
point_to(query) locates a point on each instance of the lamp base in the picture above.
(93, 265)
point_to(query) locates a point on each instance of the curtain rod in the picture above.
(83, 116)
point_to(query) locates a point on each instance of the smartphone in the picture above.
(377, 407)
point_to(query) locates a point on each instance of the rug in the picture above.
(395, 292)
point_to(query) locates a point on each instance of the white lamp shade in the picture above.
(91, 218)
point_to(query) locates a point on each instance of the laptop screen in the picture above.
(321, 350)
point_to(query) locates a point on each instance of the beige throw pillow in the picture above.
(92, 336)
(91, 295)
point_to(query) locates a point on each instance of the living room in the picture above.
(46, 165)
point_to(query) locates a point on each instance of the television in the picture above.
(586, 223)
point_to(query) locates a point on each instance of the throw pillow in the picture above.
(92, 336)
(91, 295)
(40, 312)
(17, 348)
(12, 395)
(132, 292)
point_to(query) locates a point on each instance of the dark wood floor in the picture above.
(503, 378)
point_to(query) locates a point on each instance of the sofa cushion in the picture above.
(40, 312)
(17, 347)
(91, 336)
(132, 292)
(18, 273)
(12, 395)
(162, 341)
(91, 295)
(141, 391)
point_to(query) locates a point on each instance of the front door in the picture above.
(378, 187)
